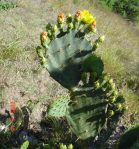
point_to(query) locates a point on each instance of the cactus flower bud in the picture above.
(115, 93)
(69, 15)
(94, 30)
(112, 100)
(110, 113)
(92, 26)
(69, 18)
(62, 146)
(60, 18)
(96, 45)
(42, 60)
(55, 28)
(105, 77)
(43, 36)
(118, 106)
(111, 81)
(125, 108)
(70, 25)
(94, 23)
(70, 146)
(78, 15)
(113, 86)
(101, 38)
(97, 85)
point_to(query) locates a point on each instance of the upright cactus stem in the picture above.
(68, 54)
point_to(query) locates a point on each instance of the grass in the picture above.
(10, 52)
(20, 29)
(5, 5)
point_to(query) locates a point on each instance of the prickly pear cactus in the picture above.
(58, 108)
(65, 46)
(68, 53)
(93, 106)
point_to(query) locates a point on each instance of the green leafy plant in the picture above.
(127, 8)
(68, 53)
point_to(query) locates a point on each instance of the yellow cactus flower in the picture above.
(86, 17)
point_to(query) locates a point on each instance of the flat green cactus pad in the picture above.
(87, 113)
(64, 57)
(58, 107)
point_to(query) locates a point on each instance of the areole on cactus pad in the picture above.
(68, 53)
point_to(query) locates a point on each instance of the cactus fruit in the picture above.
(71, 60)
(58, 107)
(70, 146)
(112, 100)
(110, 113)
(62, 146)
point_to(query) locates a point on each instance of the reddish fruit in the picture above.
(12, 106)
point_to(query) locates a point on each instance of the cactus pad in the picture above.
(66, 46)
(91, 108)
(64, 58)
(58, 108)
(87, 113)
